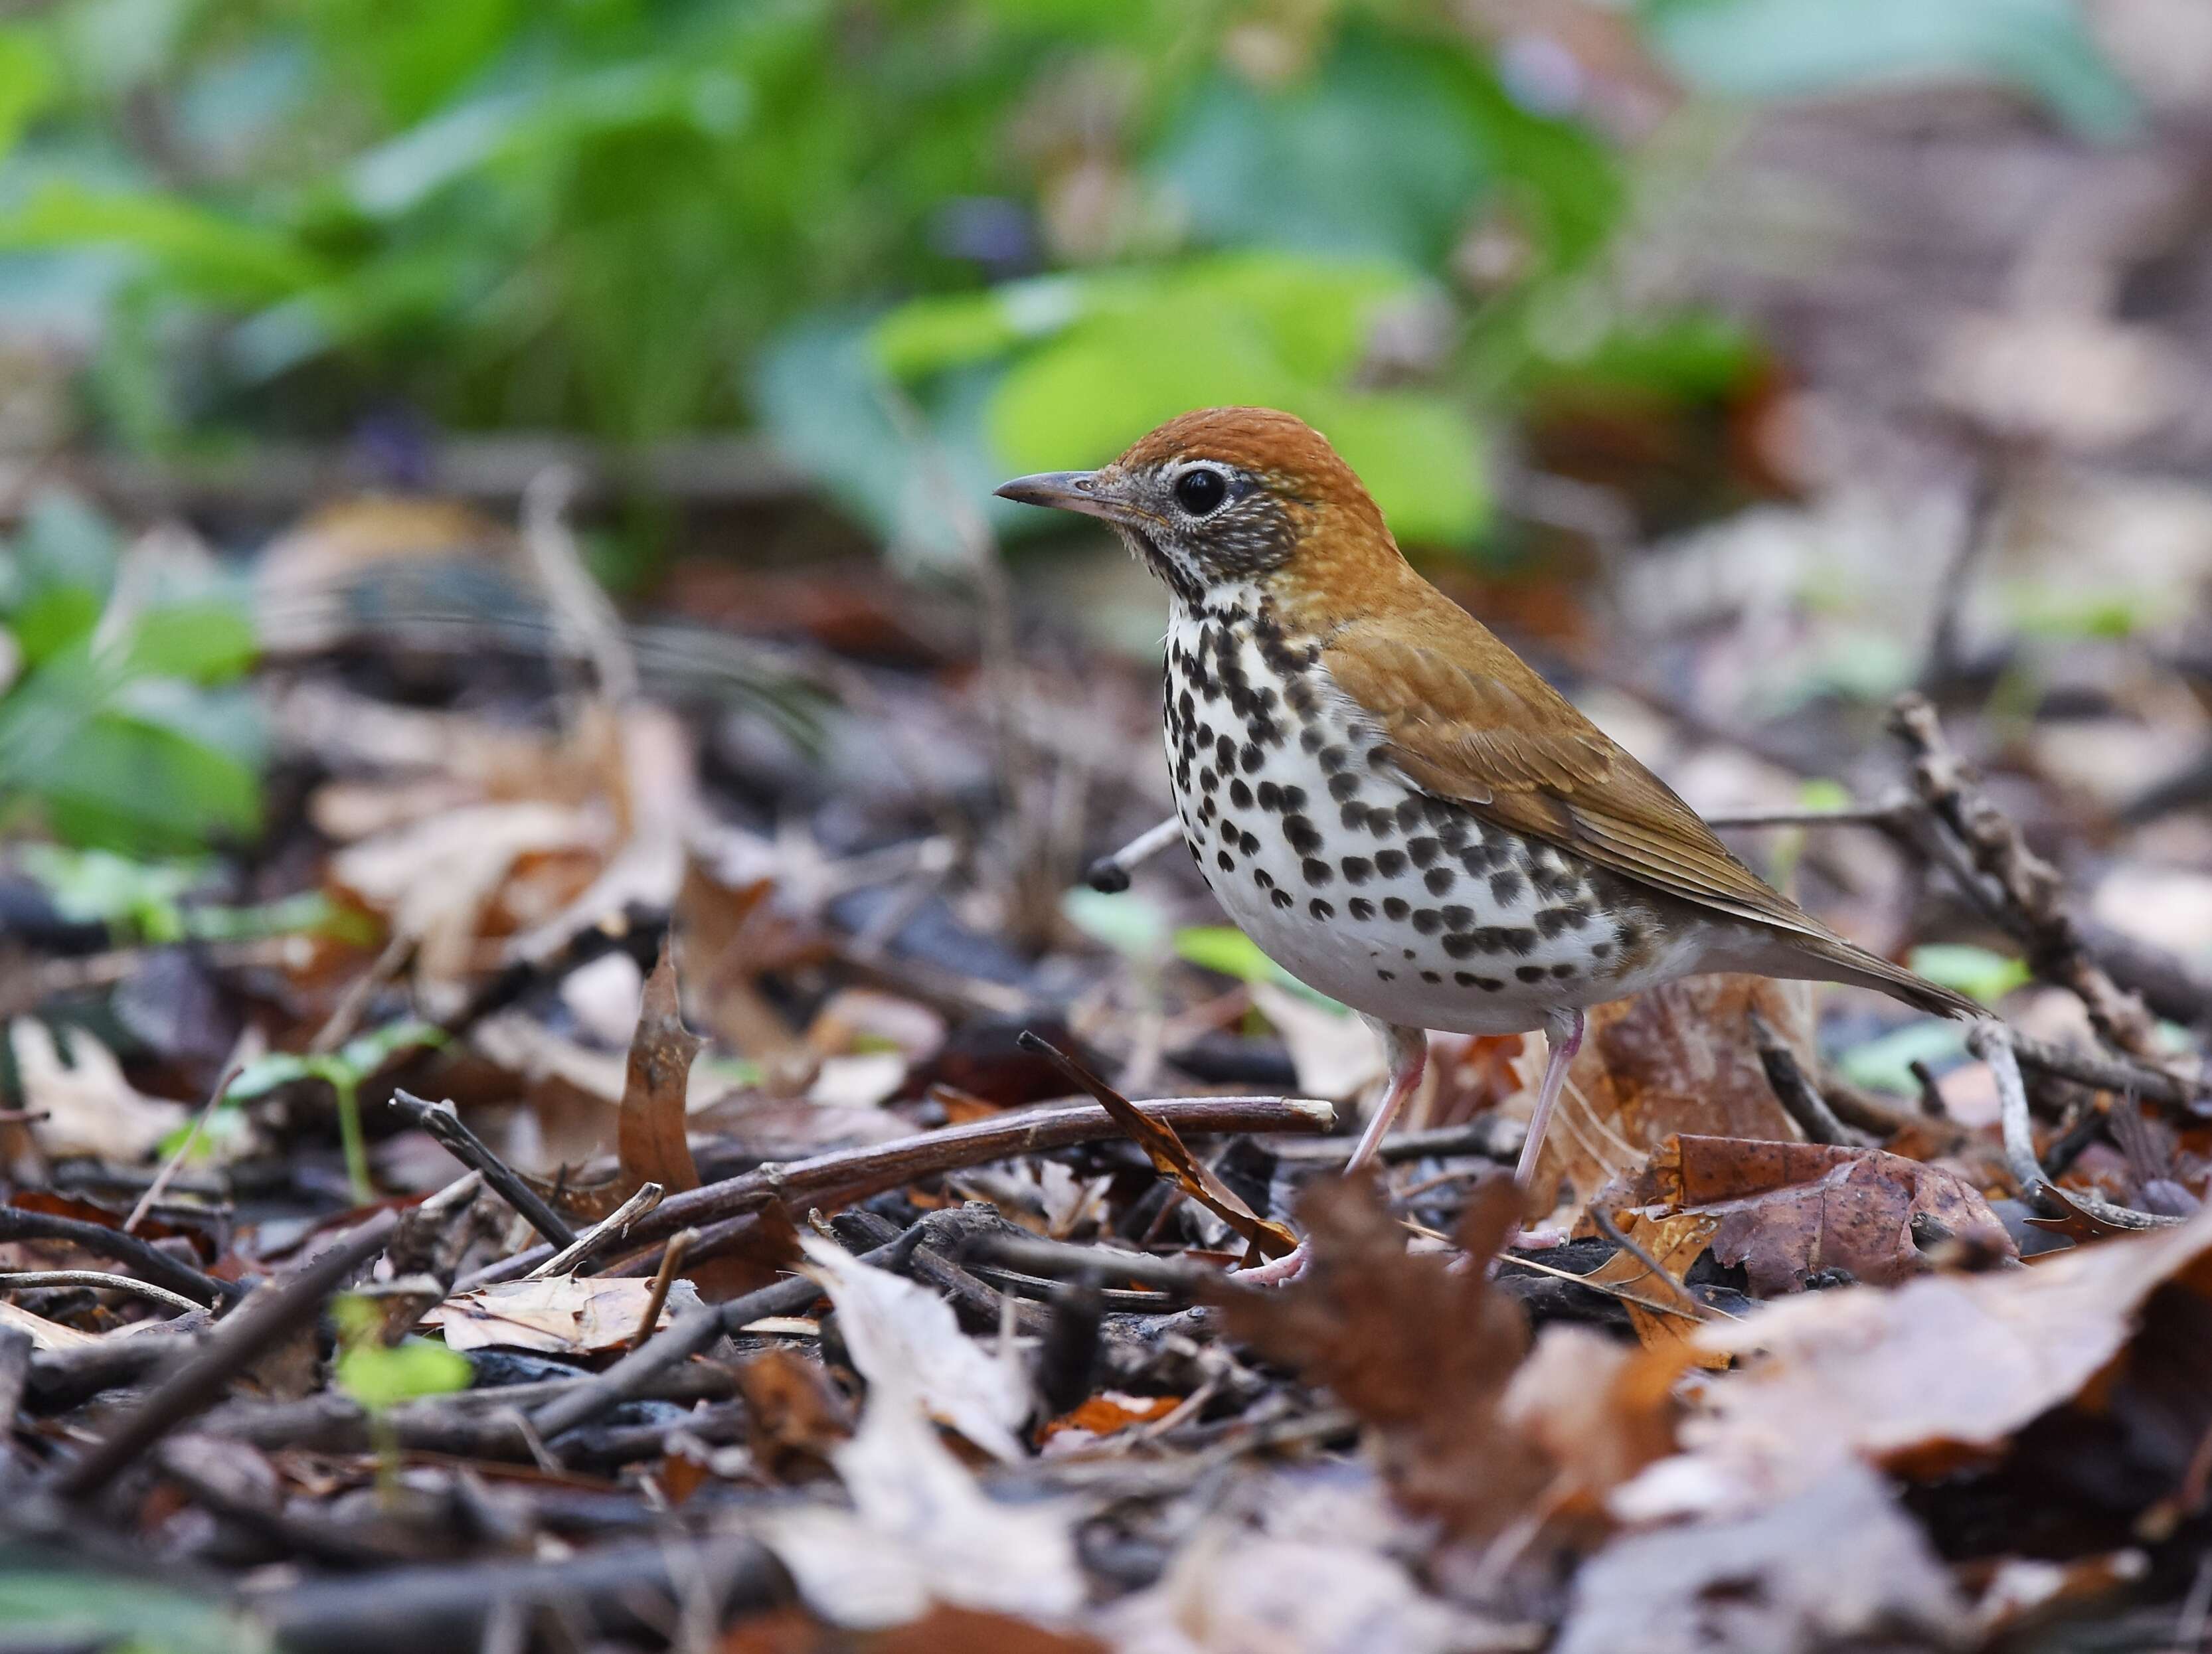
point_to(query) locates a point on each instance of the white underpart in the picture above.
(1497, 909)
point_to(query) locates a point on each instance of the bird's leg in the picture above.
(1563, 1033)
(1407, 1052)
(1110, 873)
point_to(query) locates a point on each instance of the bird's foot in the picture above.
(1277, 1272)
(1542, 1239)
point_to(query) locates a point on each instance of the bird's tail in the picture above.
(1834, 960)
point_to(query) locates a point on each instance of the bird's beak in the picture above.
(1065, 490)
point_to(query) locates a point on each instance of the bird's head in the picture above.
(1226, 497)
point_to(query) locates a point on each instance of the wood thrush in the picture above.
(1392, 803)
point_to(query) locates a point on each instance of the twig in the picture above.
(154, 1190)
(1097, 1264)
(19, 1280)
(2031, 886)
(237, 1343)
(2105, 1073)
(443, 1122)
(694, 1332)
(1604, 1288)
(1636, 1249)
(671, 1262)
(16, 1225)
(1888, 817)
(844, 1177)
(600, 1236)
(1799, 1097)
(1109, 874)
(1992, 1042)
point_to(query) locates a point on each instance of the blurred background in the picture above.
(1745, 362)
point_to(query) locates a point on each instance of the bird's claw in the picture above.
(1278, 1272)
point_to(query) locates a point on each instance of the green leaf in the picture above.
(202, 251)
(1787, 48)
(51, 1607)
(379, 1377)
(141, 900)
(1885, 1064)
(1974, 972)
(207, 641)
(1128, 923)
(26, 82)
(1227, 949)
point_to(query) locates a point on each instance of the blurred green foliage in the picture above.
(123, 724)
(923, 241)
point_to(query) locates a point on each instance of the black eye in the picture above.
(1200, 491)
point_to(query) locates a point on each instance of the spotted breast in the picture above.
(1391, 901)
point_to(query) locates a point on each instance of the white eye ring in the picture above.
(1201, 490)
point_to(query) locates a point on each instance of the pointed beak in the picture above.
(1063, 490)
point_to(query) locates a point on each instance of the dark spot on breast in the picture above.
(1563, 970)
(1253, 757)
(1205, 734)
(1381, 823)
(1333, 759)
(1460, 945)
(1395, 907)
(1317, 871)
(1225, 862)
(1361, 908)
(1409, 811)
(1321, 910)
(1428, 921)
(1225, 753)
(1300, 695)
(1248, 843)
(1458, 918)
(1280, 898)
(1552, 920)
(1430, 976)
(1353, 816)
(1552, 882)
(1439, 880)
(1479, 855)
(1506, 888)
(1263, 879)
(1185, 706)
(1600, 950)
(1294, 798)
(1529, 973)
(1386, 976)
(1207, 780)
(1229, 829)
(1270, 796)
(1239, 794)
(1301, 835)
(1423, 850)
(1378, 758)
(1343, 785)
(1310, 739)
(1389, 863)
(1357, 868)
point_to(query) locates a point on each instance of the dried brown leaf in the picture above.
(1421, 1353)
(653, 1144)
(558, 1314)
(1787, 1210)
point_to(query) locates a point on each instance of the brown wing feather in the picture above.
(1466, 719)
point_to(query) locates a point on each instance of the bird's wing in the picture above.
(1467, 720)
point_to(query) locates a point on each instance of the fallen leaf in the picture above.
(921, 1531)
(45, 1334)
(1597, 1409)
(1918, 1379)
(1109, 1414)
(90, 1109)
(1784, 1211)
(899, 1332)
(794, 1416)
(1662, 1311)
(653, 1144)
(557, 1314)
(1420, 1353)
(1336, 1054)
(1836, 1565)
(1679, 1058)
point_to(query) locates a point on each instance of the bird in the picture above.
(1393, 805)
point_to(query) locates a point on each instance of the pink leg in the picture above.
(1563, 1032)
(1407, 1050)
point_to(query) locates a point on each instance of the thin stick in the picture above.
(672, 1261)
(1887, 817)
(1799, 1097)
(236, 1345)
(16, 1224)
(1605, 1287)
(600, 1236)
(1109, 874)
(2105, 1073)
(846, 1176)
(183, 1150)
(443, 1121)
(25, 1280)
(1636, 1249)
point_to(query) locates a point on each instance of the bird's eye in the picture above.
(1200, 491)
